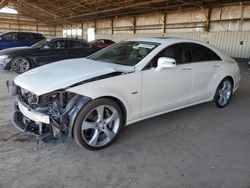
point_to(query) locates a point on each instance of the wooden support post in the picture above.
(208, 20)
(242, 17)
(95, 27)
(164, 22)
(82, 30)
(134, 25)
(112, 26)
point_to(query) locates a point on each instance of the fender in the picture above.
(125, 87)
(75, 107)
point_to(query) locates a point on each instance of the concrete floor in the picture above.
(197, 147)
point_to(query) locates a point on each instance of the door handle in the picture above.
(186, 69)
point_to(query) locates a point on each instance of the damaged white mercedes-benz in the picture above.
(91, 99)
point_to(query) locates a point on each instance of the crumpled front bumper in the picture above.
(29, 121)
(32, 114)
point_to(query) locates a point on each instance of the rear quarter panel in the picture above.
(228, 68)
(231, 68)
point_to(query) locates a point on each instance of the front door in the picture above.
(167, 89)
(52, 52)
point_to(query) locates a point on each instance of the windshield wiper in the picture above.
(105, 60)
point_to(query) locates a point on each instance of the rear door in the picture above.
(205, 64)
(25, 39)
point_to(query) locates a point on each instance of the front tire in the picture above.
(98, 124)
(20, 64)
(223, 93)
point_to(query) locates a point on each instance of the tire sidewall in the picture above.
(77, 134)
(216, 97)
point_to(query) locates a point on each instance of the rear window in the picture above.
(25, 36)
(77, 44)
(108, 41)
(202, 53)
(38, 36)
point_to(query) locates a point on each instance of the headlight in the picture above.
(2, 57)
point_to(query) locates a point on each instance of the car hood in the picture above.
(62, 74)
(17, 50)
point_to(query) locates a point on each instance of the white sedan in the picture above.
(91, 99)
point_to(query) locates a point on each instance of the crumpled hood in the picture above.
(65, 73)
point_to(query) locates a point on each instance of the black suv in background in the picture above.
(16, 39)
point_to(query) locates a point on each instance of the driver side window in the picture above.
(58, 44)
(175, 51)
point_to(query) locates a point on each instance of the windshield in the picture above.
(125, 53)
(40, 43)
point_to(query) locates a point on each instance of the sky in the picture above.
(8, 10)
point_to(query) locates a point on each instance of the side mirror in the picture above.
(165, 63)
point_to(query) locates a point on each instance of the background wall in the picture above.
(15, 22)
(227, 28)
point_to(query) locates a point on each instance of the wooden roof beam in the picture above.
(38, 8)
(113, 9)
(3, 3)
(135, 12)
(24, 7)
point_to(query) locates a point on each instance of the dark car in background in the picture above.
(16, 39)
(102, 43)
(46, 51)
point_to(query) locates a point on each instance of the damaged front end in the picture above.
(49, 116)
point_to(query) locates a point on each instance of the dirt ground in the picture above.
(197, 147)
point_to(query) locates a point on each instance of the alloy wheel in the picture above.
(225, 93)
(100, 125)
(20, 64)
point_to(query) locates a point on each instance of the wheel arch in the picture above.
(121, 105)
(230, 78)
(225, 77)
(27, 57)
(219, 82)
(31, 60)
(82, 101)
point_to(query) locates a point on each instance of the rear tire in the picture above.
(20, 64)
(98, 124)
(223, 93)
